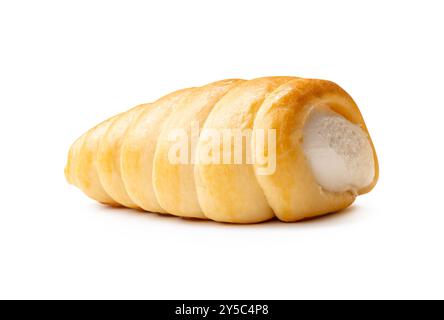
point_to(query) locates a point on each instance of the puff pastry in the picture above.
(232, 151)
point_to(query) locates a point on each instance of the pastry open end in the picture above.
(300, 188)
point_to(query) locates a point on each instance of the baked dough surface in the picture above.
(127, 159)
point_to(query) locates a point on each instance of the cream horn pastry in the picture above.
(238, 151)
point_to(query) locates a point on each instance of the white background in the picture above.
(67, 65)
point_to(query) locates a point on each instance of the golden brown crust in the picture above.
(124, 160)
(86, 172)
(81, 169)
(72, 160)
(109, 160)
(230, 192)
(138, 150)
(174, 184)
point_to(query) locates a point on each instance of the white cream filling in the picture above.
(338, 151)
